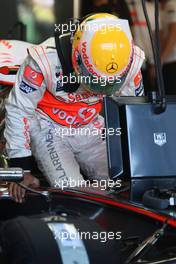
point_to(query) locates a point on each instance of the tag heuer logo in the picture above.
(160, 138)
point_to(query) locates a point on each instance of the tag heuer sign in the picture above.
(160, 138)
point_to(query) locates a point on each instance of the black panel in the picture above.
(113, 139)
(151, 140)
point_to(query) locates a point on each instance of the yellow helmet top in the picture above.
(102, 46)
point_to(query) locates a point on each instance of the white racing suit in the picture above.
(39, 111)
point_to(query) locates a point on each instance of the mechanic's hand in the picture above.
(18, 192)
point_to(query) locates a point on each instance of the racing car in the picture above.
(98, 226)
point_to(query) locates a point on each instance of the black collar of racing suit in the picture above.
(64, 50)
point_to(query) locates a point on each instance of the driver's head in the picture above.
(102, 52)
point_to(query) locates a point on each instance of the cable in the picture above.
(158, 47)
(161, 105)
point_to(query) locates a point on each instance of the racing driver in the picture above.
(41, 105)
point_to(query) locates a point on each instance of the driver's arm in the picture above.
(20, 110)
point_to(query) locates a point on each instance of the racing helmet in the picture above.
(102, 52)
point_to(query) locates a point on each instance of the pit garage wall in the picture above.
(8, 16)
(65, 10)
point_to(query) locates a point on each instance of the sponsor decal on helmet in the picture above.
(86, 59)
(25, 88)
(112, 67)
(33, 76)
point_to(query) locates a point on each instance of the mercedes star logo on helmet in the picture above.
(112, 67)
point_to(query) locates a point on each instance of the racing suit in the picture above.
(38, 111)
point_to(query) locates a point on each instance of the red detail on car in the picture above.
(6, 43)
(4, 70)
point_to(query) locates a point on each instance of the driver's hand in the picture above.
(19, 193)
